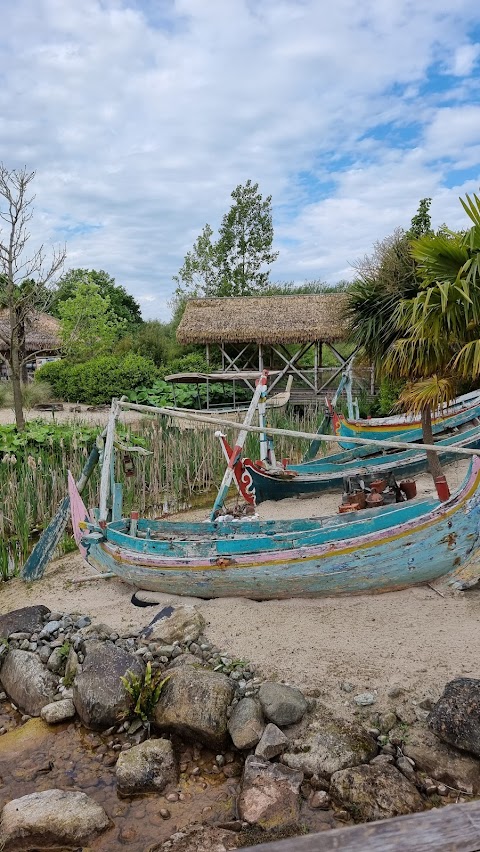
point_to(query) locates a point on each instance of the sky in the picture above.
(141, 116)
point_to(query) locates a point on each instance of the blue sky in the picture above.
(141, 116)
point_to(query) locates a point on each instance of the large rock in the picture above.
(193, 704)
(270, 795)
(441, 761)
(328, 745)
(99, 695)
(29, 619)
(375, 792)
(58, 711)
(455, 719)
(52, 819)
(183, 624)
(27, 682)
(147, 767)
(246, 724)
(282, 704)
(200, 838)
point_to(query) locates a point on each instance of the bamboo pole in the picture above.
(105, 483)
(290, 433)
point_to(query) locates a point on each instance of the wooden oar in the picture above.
(48, 542)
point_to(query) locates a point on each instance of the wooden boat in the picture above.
(385, 428)
(376, 550)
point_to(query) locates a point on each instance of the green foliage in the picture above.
(38, 434)
(98, 380)
(122, 304)
(144, 692)
(421, 223)
(64, 650)
(153, 339)
(33, 393)
(388, 395)
(87, 323)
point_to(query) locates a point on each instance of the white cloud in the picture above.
(465, 59)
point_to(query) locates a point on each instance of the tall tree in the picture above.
(25, 280)
(122, 304)
(88, 326)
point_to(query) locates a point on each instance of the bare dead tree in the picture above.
(26, 281)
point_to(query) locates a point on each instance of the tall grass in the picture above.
(33, 393)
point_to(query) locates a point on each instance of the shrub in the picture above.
(97, 381)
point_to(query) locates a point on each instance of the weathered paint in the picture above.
(416, 550)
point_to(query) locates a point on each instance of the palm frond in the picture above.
(432, 392)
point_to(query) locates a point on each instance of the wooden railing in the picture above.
(453, 828)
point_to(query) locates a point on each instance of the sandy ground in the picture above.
(418, 638)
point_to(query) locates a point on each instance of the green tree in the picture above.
(87, 323)
(153, 339)
(122, 304)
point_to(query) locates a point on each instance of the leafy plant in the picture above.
(98, 380)
(65, 650)
(144, 692)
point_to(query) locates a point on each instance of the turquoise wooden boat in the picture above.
(375, 550)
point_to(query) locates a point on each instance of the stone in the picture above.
(82, 622)
(455, 718)
(270, 794)
(147, 767)
(200, 838)
(28, 620)
(50, 628)
(387, 721)
(329, 745)
(441, 761)
(406, 768)
(246, 724)
(283, 705)
(364, 699)
(183, 624)
(71, 666)
(99, 695)
(272, 743)
(375, 792)
(56, 661)
(193, 704)
(53, 818)
(319, 800)
(27, 682)
(58, 711)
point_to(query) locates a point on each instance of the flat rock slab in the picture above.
(283, 705)
(270, 795)
(99, 695)
(455, 718)
(27, 682)
(147, 767)
(246, 724)
(200, 838)
(441, 761)
(28, 619)
(58, 711)
(182, 624)
(193, 704)
(375, 792)
(52, 819)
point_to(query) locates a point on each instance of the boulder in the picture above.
(328, 745)
(27, 682)
(272, 743)
(28, 619)
(270, 794)
(282, 704)
(58, 711)
(56, 661)
(441, 761)
(193, 704)
(455, 718)
(375, 792)
(246, 724)
(99, 695)
(147, 767)
(200, 838)
(51, 819)
(183, 624)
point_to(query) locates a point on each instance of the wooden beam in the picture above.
(453, 828)
(290, 364)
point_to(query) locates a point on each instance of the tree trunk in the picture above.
(16, 374)
(434, 465)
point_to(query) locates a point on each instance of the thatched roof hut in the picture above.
(264, 319)
(42, 332)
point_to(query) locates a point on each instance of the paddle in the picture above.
(50, 539)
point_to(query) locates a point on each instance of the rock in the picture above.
(184, 660)
(184, 624)
(375, 792)
(27, 682)
(406, 768)
(272, 743)
(328, 745)
(53, 818)
(27, 620)
(270, 794)
(441, 761)
(200, 838)
(50, 628)
(194, 704)
(395, 691)
(56, 661)
(455, 718)
(82, 622)
(364, 699)
(246, 724)
(319, 800)
(44, 653)
(71, 666)
(99, 695)
(387, 721)
(147, 767)
(282, 704)
(58, 711)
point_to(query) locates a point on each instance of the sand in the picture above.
(418, 638)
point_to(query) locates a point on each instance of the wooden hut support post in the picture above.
(105, 480)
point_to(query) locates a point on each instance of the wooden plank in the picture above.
(454, 828)
(105, 479)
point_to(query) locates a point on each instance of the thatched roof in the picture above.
(42, 332)
(264, 319)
